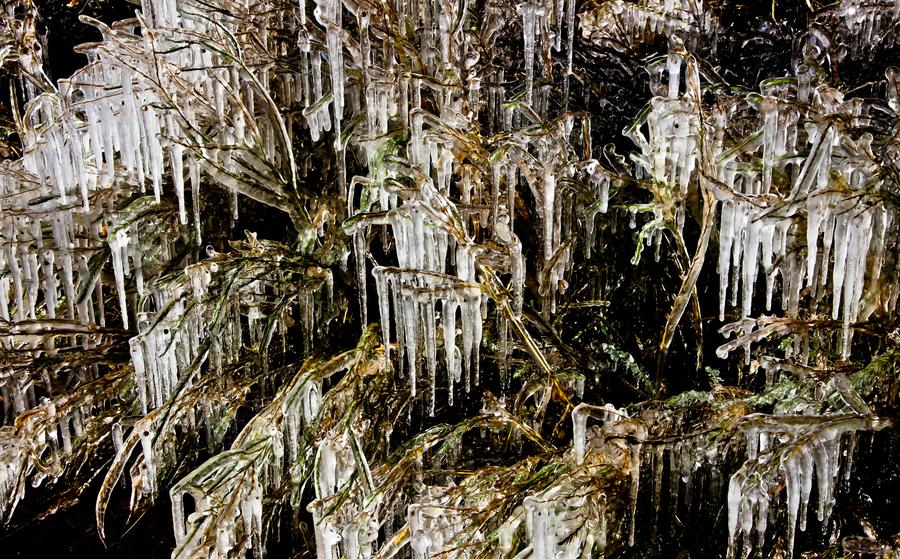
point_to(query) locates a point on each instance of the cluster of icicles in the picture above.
(227, 491)
(793, 451)
(836, 184)
(434, 299)
(640, 22)
(87, 145)
(834, 179)
(49, 431)
(577, 514)
(87, 149)
(187, 105)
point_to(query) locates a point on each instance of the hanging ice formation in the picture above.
(835, 185)
(86, 147)
(643, 447)
(802, 179)
(227, 516)
(670, 150)
(42, 439)
(435, 290)
(792, 451)
(192, 92)
(432, 529)
(635, 23)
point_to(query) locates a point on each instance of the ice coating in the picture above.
(94, 159)
(811, 448)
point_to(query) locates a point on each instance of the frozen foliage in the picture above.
(43, 438)
(633, 23)
(835, 187)
(395, 135)
(227, 491)
(792, 452)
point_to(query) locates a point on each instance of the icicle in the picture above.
(117, 437)
(146, 436)
(549, 221)
(824, 453)
(506, 533)
(893, 80)
(176, 152)
(154, 158)
(531, 14)
(635, 471)
(769, 113)
(429, 335)
(658, 457)
(792, 483)
(541, 523)
(817, 205)
(735, 499)
(579, 424)
(448, 318)
(328, 13)
(767, 239)
(804, 478)
(118, 243)
(194, 176)
(570, 36)
(749, 265)
(49, 284)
